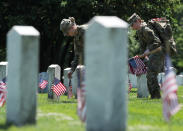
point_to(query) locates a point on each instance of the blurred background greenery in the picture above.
(45, 16)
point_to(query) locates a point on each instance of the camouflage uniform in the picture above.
(79, 47)
(65, 25)
(149, 41)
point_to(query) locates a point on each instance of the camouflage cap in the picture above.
(133, 18)
(65, 25)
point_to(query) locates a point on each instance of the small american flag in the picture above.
(3, 91)
(58, 88)
(169, 90)
(43, 84)
(136, 66)
(81, 98)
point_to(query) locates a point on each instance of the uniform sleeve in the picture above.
(75, 62)
(142, 47)
(153, 41)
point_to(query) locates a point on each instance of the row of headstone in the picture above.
(74, 81)
(53, 71)
(161, 77)
(179, 78)
(106, 74)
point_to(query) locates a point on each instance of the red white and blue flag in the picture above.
(136, 66)
(169, 91)
(3, 91)
(81, 95)
(43, 84)
(58, 88)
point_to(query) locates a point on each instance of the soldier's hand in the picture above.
(141, 56)
(69, 75)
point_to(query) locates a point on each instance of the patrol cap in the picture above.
(133, 18)
(66, 24)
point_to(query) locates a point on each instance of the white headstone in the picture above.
(3, 70)
(53, 72)
(142, 89)
(161, 77)
(106, 74)
(74, 82)
(133, 80)
(43, 76)
(66, 79)
(179, 79)
(23, 57)
(181, 73)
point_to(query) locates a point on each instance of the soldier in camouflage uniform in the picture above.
(69, 28)
(149, 41)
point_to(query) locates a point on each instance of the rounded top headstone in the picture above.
(109, 21)
(25, 30)
(54, 66)
(3, 63)
(43, 75)
(67, 69)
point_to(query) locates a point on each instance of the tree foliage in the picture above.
(178, 35)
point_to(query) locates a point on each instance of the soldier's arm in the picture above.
(75, 62)
(153, 40)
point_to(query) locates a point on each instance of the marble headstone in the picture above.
(53, 72)
(142, 89)
(3, 70)
(106, 52)
(66, 79)
(133, 80)
(43, 76)
(23, 64)
(179, 79)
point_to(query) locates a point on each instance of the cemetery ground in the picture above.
(143, 115)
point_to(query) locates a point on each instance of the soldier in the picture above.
(149, 42)
(69, 28)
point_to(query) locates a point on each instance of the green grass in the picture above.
(146, 115)
(143, 115)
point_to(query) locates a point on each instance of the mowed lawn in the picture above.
(143, 115)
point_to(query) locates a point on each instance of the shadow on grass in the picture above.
(68, 101)
(60, 102)
(133, 91)
(5, 126)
